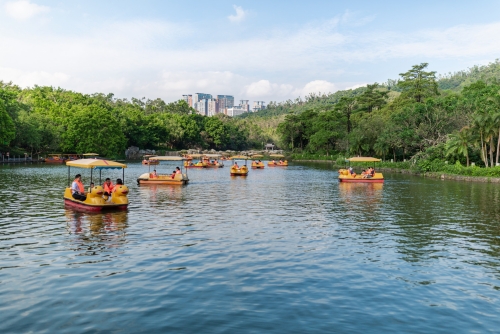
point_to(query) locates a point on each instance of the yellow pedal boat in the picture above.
(174, 179)
(348, 174)
(280, 163)
(257, 164)
(95, 198)
(237, 170)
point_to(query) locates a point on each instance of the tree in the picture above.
(7, 127)
(93, 129)
(346, 107)
(458, 143)
(372, 98)
(418, 84)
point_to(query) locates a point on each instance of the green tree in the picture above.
(372, 98)
(459, 142)
(7, 127)
(418, 84)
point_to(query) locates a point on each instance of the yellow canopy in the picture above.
(239, 157)
(277, 155)
(257, 156)
(95, 163)
(196, 155)
(212, 155)
(169, 158)
(149, 155)
(90, 154)
(363, 159)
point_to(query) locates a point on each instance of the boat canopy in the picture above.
(212, 155)
(196, 155)
(55, 154)
(277, 155)
(257, 156)
(90, 154)
(96, 164)
(362, 159)
(239, 157)
(149, 155)
(169, 158)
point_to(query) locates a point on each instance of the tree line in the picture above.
(43, 120)
(406, 118)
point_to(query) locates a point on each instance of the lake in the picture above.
(284, 250)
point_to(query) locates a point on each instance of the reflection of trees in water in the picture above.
(105, 228)
(439, 219)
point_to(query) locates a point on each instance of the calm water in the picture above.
(281, 251)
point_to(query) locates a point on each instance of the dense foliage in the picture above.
(46, 120)
(408, 118)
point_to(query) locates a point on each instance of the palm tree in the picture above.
(458, 143)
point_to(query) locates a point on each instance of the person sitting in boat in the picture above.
(173, 174)
(178, 170)
(154, 175)
(77, 188)
(119, 182)
(91, 186)
(274, 162)
(372, 171)
(351, 171)
(236, 165)
(108, 187)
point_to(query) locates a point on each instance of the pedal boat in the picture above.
(273, 163)
(345, 176)
(257, 164)
(241, 171)
(191, 164)
(179, 179)
(96, 201)
(209, 164)
(55, 159)
(149, 159)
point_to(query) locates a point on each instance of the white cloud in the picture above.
(23, 9)
(356, 86)
(31, 78)
(264, 88)
(319, 87)
(239, 16)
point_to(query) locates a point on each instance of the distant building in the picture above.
(188, 99)
(258, 105)
(244, 105)
(202, 107)
(212, 107)
(201, 96)
(225, 101)
(235, 111)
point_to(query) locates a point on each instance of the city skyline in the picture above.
(266, 51)
(205, 104)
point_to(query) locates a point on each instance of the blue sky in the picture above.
(255, 50)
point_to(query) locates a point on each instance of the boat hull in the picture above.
(92, 207)
(180, 179)
(352, 180)
(151, 163)
(277, 165)
(156, 181)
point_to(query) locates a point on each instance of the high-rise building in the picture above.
(201, 96)
(189, 99)
(244, 105)
(202, 107)
(212, 107)
(258, 105)
(225, 101)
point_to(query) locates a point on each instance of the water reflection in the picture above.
(103, 223)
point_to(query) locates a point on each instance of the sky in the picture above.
(253, 50)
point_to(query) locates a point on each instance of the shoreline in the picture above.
(433, 175)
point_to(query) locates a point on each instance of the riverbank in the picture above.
(434, 175)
